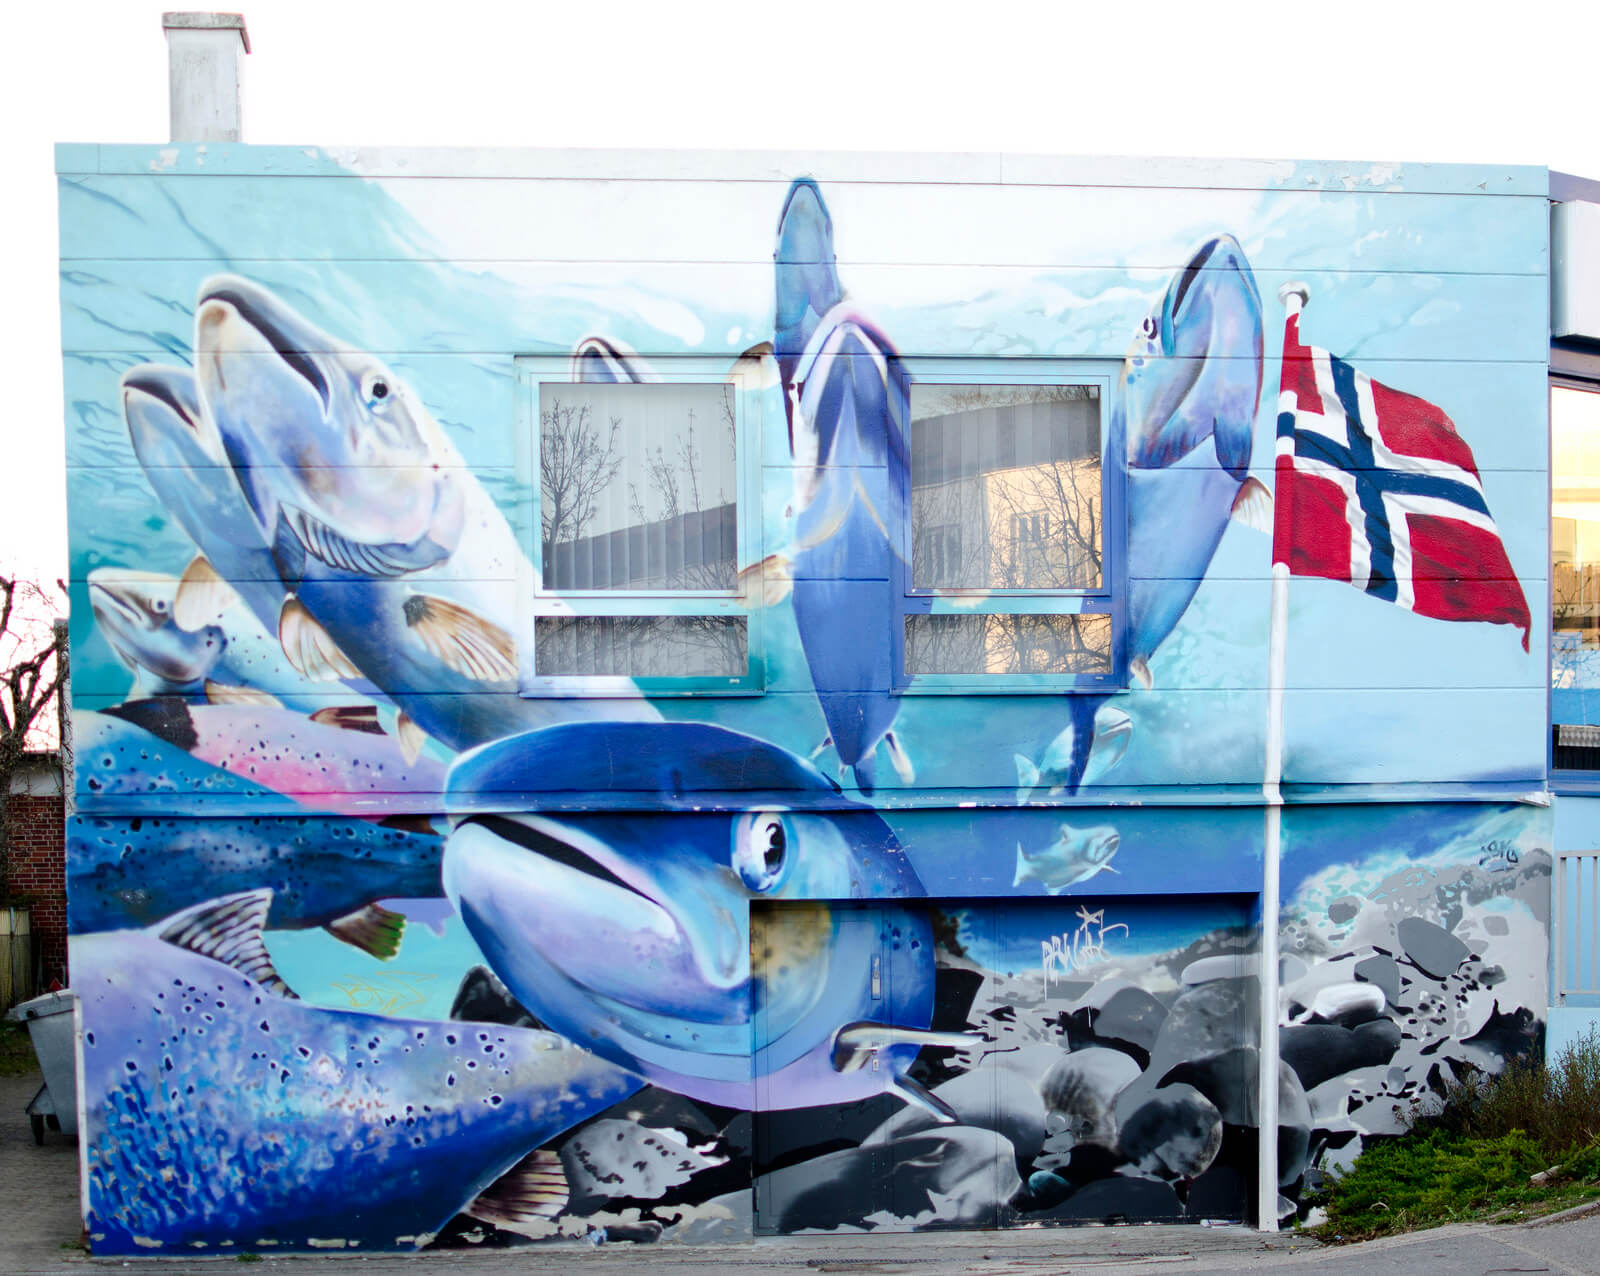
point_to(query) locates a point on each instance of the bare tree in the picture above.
(31, 674)
(577, 461)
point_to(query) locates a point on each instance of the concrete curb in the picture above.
(1562, 1216)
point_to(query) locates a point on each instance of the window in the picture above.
(640, 497)
(1012, 545)
(1575, 573)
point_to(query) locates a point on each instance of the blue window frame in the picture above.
(1012, 567)
(1575, 567)
(643, 517)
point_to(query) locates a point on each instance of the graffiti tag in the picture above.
(1497, 857)
(386, 993)
(1083, 947)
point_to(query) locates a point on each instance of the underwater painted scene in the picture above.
(635, 714)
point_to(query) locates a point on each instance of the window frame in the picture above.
(1571, 368)
(535, 602)
(1109, 598)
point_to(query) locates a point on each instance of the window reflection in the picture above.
(637, 486)
(1005, 487)
(1575, 570)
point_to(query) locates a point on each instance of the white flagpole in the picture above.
(1294, 296)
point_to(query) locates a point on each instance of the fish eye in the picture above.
(1149, 327)
(376, 390)
(761, 850)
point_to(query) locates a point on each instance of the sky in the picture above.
(1458, 83)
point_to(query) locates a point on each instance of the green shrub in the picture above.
(1474, 1146)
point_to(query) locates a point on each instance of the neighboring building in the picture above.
(37, 871)
(797, 626)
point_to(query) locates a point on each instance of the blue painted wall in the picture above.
(1006, 934)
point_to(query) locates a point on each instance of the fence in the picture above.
(1575, 918)
(19, 957)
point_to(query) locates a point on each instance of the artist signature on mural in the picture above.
(1085, 946)
(388, 993)
(1498, 857)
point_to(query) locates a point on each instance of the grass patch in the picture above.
(1470, 1152)
(16, 1051)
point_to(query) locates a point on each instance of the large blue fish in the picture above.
(848, 400)
(220, 1110)
(325, 869)
(402, 568)
(630, 933)
(1184, 420)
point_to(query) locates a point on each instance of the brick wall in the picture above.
(39, 871)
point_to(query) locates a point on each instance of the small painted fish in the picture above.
(1075, 856)
(318, 1128)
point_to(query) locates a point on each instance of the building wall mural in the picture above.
(828, 796)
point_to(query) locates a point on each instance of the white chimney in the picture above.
(203, 69)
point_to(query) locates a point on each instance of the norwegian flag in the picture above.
(1376, 488)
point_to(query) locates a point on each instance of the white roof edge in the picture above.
(626, 164)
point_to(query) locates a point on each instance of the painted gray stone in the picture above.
(1118, 1199)
(1079, 1095)
(1382, 971)
(1496, 925)
(1318, 1051)
(954, 1175)
(1222, 966)
(1228, 1080)
(1000, 1094)
(1176, 1133)
(612, 1157)
(1131, 1015)
(1343, 910)
(1434, 950)
(1294, 1126)
(1205, 1020)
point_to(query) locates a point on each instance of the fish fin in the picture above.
(374, 930)
(218, 693)
(533, 1189)
(229, 930)
(855, 1043)
(350, 717)
(817, 752)
(464, 641)
(771, 580)
(1141, 672)
(202, 595)
(919, 1096)
(898, 759)
(1253, 506)
(483, 998)
(411, 737)
(309, 647)
(1027, 775)
(409, 824)
(1024, 869)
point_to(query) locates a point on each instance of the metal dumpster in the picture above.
(50, 1025)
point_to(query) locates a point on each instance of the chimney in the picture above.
(203, 74)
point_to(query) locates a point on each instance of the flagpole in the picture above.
(1293, 296)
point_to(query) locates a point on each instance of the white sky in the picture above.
(1394, 80)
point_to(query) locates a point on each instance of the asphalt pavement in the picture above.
(40, 1232)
